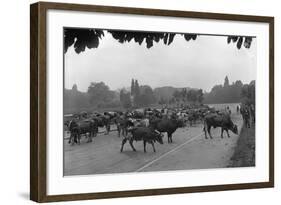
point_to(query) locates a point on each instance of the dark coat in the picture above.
(77, 128)
(166, 125)
(219, 120)
(145, 134)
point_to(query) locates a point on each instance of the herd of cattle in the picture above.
(148, 125)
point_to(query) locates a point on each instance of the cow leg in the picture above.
(107, 128)
(124, 132)
(73, 139)
(227, 133)
(209, 132)
(69, 140)
(170, 137)
(87, 136)
(144, 145)
(96, 130)
(118, 130)
(92, 133)
(222, 129)
(153, 146)
(106, 132)
(131, 143)
(90, 137)
(78, 139)
(123, 142)
(205, 131)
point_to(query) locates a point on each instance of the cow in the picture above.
(102, 121)
(222, 120)
(77, 128)
(72, 127)
(122, 124)
(145, 134)
(166, 125)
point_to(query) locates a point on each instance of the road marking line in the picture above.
(169, 152)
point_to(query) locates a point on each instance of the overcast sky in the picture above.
(202, 63)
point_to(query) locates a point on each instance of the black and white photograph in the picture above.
(150, 101)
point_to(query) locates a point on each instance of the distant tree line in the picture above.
(230, 93)
(99, 95)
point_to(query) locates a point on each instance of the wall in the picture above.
(14, 83)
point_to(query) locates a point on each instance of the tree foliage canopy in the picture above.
(99, 93)
(90, 38)
(82, 38)
(246, 41)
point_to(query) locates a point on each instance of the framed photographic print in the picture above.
(133, 102)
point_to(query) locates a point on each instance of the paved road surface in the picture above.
(190, 150)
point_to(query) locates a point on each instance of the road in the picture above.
(189, 150)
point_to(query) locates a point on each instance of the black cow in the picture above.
(146, 134)
(166, 125)
(219, 120)
(77, 128)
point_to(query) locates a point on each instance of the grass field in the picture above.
(244, 154)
